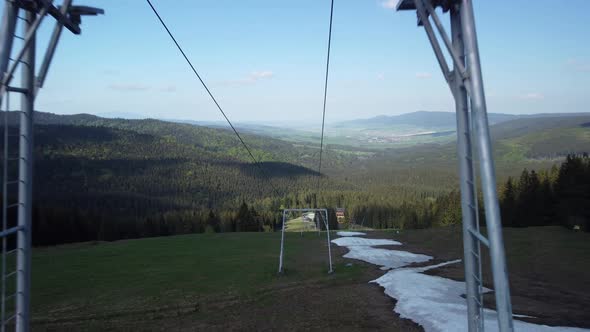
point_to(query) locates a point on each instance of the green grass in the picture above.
(102, 279)
(297, 225)
(554, 254)
(205, 278)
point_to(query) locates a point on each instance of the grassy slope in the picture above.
(148, 277)
(230, 281)
(297, 225)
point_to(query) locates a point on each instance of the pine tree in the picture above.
(213, 222)
(508, 204)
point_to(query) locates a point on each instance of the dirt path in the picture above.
(354, 305)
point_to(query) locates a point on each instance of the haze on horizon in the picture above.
(265, 61)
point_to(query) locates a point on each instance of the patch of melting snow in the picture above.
(359, 241)
(434, 302)
(350, 233)
(362, 249)
(522, 316)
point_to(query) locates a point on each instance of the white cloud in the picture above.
(380, 76)
(129, 87)
(532, 96)
(423, 75)
(253, 77)
(389, 4)
(258, 75)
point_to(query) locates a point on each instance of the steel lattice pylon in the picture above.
(466, 84)
(17, 173)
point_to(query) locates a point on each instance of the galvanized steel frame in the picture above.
(34, 12)
(325, 220)
(466, 84)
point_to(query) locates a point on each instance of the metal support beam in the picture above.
(459, 65)
(34, 11)
(4, 216)
(282, 243)
(488, 176)
(329, 243)
(67, 15)
(31, 31)
(10, 231)
(466, 84)
(64, 20)
(442, 62)
(25, 190)
(51, 47)
(6, 36)
(467, 180)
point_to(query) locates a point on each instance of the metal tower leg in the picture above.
(488, 176)
(329, 243)
(282, 243)
(7, 35)
(471, 247)
(466, 84)
(25, 192)
(66, 16)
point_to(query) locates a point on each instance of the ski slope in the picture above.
(434, 302)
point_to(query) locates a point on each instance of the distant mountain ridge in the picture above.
(430, 119)
(216, 142)
(438, 119)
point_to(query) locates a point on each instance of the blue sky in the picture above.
(264, 60)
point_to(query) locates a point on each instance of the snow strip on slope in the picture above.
(350, 233)
(436, 303)
(359, 241)
(431, 301)
(362, 249)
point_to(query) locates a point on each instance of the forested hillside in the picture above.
(559, 196)
(216, 141)
(107, 183)
(107, 179)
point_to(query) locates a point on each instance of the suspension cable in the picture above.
(256, 162)
(325, 97)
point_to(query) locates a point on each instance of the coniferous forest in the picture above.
(108, 179)
(559, 196)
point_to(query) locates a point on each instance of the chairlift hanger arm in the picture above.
(66, 15)
(71, 19)
(446, 5)
(36, 5)
(51, 47)
(424, 9)
(27, 41)
(72, 13)
(433, 40)
(458, 65)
